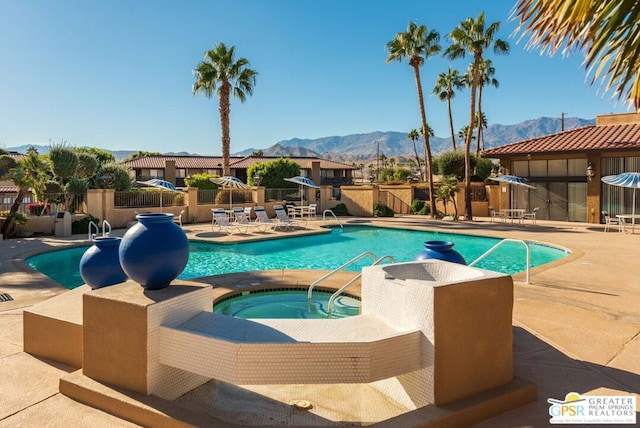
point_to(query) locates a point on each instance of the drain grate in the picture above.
(5, 297)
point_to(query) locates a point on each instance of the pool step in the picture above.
(358, 349)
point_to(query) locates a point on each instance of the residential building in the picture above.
(566, 169)
(176, 168)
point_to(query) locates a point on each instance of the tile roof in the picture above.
(212, 162)
(584, 139)
(195, 162)
(8, 189)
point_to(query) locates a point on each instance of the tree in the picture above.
(118, 176)
(445, 88)
(416, 44)
(257, 153)
(414, 136)
(447, 192)
(481, 125)
(486, 77)
(607, 31)
(473, 37)
(273, 173)
(29, 174)
(220, 71)
(102, 156)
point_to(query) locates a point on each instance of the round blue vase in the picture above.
(154, 251)
(100, 264)
(441, 250)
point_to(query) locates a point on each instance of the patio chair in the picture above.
(180, 218)
(531, 216)
(284, 220)
(496, 214)
(242, 219)
(608, 220)
(263, 218)
(221, 219)
(311, 210)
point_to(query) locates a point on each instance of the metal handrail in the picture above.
(335, 295)
(492, 249)
(324, 218)
(336, 270)
(93, 225)
(106, 223)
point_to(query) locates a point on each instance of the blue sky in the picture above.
(117, 74)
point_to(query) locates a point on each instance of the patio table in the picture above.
(513, 213)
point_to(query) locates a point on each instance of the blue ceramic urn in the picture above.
(100, 264)
(154, 251)
(441, 250)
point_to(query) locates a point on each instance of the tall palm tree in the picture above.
(220, 71)
(416, 44)
(606, 30)
(446, 84)
(481, 124)
(472, 36)
(414, 136)
(487, 73)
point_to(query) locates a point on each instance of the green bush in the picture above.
(416, 206)
(425, 210)
(82, 225)
(340, 210)
(380, 210)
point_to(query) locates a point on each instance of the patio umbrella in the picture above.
(231, 183)
(630, 180)
(302, 181)
(160, 184)
(513, 180)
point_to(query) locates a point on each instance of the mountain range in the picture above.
(365, 147)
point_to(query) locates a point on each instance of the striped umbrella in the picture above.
(160, 184)
(630, 180)
(230, 182)
(302, 181)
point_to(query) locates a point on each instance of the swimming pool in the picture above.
(325, 251)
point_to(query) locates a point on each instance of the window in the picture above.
(156, 173)
(520, 168)
(538, 168)
(558, 168)
(181, 173)
(577, 167)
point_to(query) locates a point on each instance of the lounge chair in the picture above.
(242, 219)
(221, 219)
(263, 218)
(285, 221)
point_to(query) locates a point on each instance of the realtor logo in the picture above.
(593, 409)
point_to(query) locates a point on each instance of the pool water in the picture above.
(287, 304)
(325, 251)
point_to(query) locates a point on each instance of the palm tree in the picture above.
(413, 135)
(473, 37)
(445, 90)
(29, 175)
(416, 44)
(606, 30)
(481, 124)
(487, 71)
(220, 71)
(463, 132)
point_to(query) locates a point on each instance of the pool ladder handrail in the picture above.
(336, 270)
(105, 226)
(499, 244)
(335, 295)
(324, 218)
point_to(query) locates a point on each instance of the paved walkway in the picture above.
(576, 326)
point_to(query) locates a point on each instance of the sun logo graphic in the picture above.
(572, 406)
(578, 409)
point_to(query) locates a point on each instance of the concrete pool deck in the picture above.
(576, 326)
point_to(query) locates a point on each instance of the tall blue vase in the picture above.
(100, 264)
(441, 250)
(154, 251)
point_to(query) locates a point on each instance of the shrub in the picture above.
(380, 210)
(416, 206)
(38, 208)
(224, 197)
(340, 210)
(82, 225)
(178, 199)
